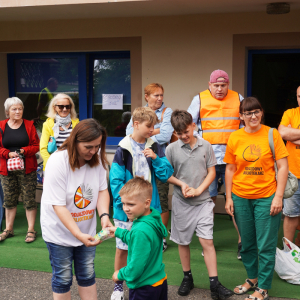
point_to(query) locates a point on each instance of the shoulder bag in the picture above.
(292, 181)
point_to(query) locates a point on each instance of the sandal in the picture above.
(262, 292)
(243, 290)
(6, 234)
(33, 237)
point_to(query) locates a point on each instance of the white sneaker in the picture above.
(117, 295)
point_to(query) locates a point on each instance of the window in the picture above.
(36, 78)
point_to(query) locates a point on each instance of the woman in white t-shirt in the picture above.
(75, 186)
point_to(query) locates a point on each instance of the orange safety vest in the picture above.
(219, 117)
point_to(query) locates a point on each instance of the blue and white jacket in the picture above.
(123, 168)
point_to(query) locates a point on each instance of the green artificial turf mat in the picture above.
(15, 253)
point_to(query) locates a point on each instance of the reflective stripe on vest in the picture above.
(219, 118)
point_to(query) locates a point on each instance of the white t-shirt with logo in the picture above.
(77, 190)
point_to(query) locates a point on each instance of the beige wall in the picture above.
(180, 52)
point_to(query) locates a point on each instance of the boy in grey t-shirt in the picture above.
(194, 163)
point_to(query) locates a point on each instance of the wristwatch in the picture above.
(104, 214)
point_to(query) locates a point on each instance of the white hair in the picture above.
(11, 101)
(51, 108)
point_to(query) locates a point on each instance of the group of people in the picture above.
(221, 137)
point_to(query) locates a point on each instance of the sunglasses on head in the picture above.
(61, 107)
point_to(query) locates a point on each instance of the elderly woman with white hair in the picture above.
(62, 119)
(18, 137)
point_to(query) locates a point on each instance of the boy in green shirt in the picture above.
(144, 274)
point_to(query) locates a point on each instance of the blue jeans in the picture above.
(61, 259)
(220, 173)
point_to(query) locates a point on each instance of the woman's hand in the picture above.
(105, 222)
(229, 207)
(87, 239)
(13, 154)
(22, 151)
(276, 206)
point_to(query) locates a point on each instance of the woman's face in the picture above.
(63, 107)
(155, 99)
(15, 112)
(86, 150)
(252, 118)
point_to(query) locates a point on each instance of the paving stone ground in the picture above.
(22, 284)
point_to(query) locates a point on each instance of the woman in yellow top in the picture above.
(254, 196)
(62, 118)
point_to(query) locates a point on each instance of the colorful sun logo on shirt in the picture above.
(252, 153)
(83, 196)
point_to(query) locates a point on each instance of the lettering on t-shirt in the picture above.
(253, 171)
(83, 215)
(83, 196)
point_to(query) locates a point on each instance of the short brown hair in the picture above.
(181, 119)
(150, 88)
(86, 131)
(137, 188)
(144, 114)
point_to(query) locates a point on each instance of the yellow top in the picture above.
(46, 133)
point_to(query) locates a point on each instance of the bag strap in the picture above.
(271, 141)
(162, 114)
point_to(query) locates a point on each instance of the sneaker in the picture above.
(169, 231)
(165, 246)
(220, 292)
(202, 253)
(117, 295)
(239, 251)
(186, 286)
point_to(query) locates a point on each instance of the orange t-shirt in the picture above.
(292, 117)
(251, 153)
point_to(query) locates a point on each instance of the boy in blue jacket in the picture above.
(145, 273)
(137, 156)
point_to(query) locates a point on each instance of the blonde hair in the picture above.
(137, 188)
(144, 114)
(51, 113)
(11, 101)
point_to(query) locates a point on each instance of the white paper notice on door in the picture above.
(112, 101)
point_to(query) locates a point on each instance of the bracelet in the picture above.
(105, 214)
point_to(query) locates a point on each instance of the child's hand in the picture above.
(87, 240)
(184, 188)
(149, 153)
(112, 230)
(191, 192)
(115, 276)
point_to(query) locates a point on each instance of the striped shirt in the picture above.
(63, 135)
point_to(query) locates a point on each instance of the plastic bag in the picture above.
(51, 145)
(287, 262)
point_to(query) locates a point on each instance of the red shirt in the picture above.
(29, 151)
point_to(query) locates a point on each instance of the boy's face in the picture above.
(134, 207)
(144, 129)
(187, 135)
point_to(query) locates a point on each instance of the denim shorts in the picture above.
(220, 173)
(123, 225)
(291, 206)
(61, 259)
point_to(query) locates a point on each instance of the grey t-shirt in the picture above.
(190, 166)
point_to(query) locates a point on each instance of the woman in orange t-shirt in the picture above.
(254, 196)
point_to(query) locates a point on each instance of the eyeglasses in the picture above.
(249, 114)
(61, 107)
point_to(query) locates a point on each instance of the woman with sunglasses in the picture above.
(254, 196)
(62, 119)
